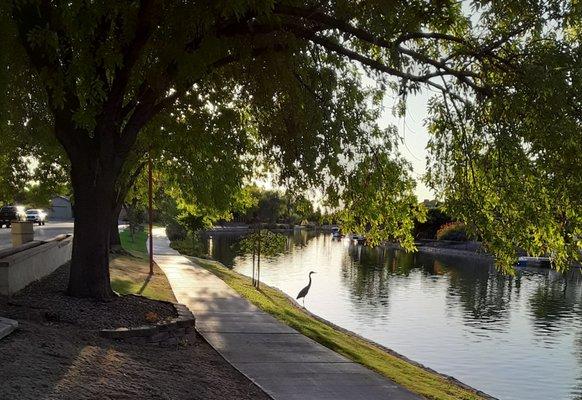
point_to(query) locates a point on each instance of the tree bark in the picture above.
(121, 193)
(94, 187)
(114, 239)
(253, 278)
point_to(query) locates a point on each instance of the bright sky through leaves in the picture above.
(414, 137)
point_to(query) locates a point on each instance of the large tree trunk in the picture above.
(97, 160)
(94, 188)
(114, 239)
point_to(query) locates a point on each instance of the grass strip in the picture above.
(130, 273)
(404, 372)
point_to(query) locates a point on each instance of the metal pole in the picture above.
(151, 215)
(259, 260)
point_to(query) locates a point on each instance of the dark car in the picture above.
(9, 214)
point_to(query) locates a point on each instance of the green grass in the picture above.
(137, 244)
(130, 273)
(276, 303)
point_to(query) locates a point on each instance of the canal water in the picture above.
(514, 337)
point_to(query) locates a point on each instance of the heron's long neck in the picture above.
(309, 284)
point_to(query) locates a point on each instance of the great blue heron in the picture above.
(305, 290)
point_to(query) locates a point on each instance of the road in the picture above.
(51, 229)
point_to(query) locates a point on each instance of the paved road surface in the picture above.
(280, 360)
(51, 229)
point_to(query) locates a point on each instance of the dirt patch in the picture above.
(46, 300)
(56, 361)
(61, 356)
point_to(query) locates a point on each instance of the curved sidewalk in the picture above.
(281, 361)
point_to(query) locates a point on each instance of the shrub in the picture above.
(135, 219)
(435, 218)
(175, 231)
(192, 246)
(452, 231)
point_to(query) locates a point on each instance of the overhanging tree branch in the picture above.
(377, 65)
(319, 18)
(130, 53)
(228, 59)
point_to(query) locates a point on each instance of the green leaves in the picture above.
(377, 200)
(264, 241)
(509, 164)
(219, 92)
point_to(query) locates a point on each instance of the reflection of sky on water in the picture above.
(513, 337)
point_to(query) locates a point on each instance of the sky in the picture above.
(414, 136)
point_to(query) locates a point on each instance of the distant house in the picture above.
(61, 208)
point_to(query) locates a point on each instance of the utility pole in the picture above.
(258, 281)
(151, 214)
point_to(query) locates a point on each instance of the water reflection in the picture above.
(555, 303)
(514, 337)
(483, 293)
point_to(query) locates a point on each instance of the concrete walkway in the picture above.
(284, 363)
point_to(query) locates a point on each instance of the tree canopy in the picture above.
(510, 163)
(281, 86)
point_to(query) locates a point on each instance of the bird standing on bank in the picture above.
(305, 290)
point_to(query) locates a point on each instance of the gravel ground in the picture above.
(57, 354)
(45, 300)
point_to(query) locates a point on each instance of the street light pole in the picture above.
(151, 214)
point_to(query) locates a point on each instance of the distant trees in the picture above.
(435, 218)
(30, 181)
(456, 231)
(271, 206)
(135, 217)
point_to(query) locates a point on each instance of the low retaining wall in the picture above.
(166, 334)
(32, 261)
(456, 253)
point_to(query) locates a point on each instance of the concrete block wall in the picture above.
(28, 263)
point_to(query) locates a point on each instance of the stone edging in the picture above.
(180, 329)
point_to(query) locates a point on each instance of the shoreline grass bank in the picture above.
(405, 372)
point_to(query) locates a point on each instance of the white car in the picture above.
(36, 215)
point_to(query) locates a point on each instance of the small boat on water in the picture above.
(335, 232)
(526, 261)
